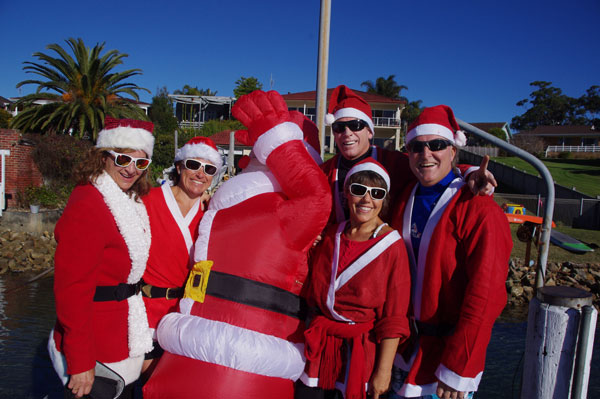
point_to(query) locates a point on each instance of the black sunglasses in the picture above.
(433, 145)
(193, 164)
(355, 125)
(124, 160)
(360, 190)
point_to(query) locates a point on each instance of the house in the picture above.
(193, 111)
(143, 105)
(386, 115)
(567, 138)
(5, 104)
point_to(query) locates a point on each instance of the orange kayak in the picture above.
(520, 219)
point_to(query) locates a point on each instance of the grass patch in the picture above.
(583, 174)
(557, 254)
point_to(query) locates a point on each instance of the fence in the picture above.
(572, 148)
(491, 151)
(570, 207)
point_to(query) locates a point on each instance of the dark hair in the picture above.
(372, 179)
(92, 166)
(174, 174)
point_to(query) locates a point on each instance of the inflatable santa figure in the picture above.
(239, 329)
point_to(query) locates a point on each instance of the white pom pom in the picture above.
(329, 119)
(460, 139)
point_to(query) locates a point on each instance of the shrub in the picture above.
(57, 155)
(45, 196)
(565, 155)
(5, 118)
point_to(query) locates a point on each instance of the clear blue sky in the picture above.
(476, 56)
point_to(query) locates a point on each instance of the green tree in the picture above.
(161, 112)
(246, 85)
(590, 102)
(498, 132)
(77, 91)
(195, 91)
(411, 111)
(385, 87)
(548, 107)
(5, 118)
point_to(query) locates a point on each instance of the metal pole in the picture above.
(322, 69)
(548, 206)
(581, 359)
(230, 155)
(175, 142)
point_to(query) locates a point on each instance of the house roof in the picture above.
(570, 130)
(486, 126)
(368, 97)
(5, 100)
(222, 139)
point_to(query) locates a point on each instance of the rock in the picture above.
(516, 291)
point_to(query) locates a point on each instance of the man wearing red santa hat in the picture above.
(239, 329)
(175, 211)
(352, 126)
(459, 246)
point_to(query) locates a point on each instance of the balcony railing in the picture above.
(572, 148)
(377, 121)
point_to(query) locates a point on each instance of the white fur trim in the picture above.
(460, 140)
(201, 246)
(247, 184)
(183, 222)
(199, 150)
(416, 391)
(458, 382)
(230, 346)
(133, 223)
(126, 137)
(129, 368)
(329, 119)
(354, 113)
(430, 128)
(370, 166)
(274, 137)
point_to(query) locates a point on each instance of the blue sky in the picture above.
(476, 56)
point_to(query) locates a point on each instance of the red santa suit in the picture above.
(170, 259)
(103, 239)
(246, 338)
(364, 303)
(458, 287)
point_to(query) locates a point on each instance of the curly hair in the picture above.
(371, 179)
(92, 166)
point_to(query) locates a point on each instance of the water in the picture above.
(27, 316)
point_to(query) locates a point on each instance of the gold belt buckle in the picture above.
(147, 290)
(195, 287)
(168, 296)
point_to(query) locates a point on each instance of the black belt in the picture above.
(150, 291)
(118, 292)
(433, 330)
(253, 293)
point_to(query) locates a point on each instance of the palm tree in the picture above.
(195, 91)
(385, 87)
(78, 92)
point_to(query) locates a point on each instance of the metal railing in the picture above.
(572, 148)
(548, 206)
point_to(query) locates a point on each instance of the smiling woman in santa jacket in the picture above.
(103, 241)
(360, 284)
(459, 245)
(175, 210)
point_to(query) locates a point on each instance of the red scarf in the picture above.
(324, 340)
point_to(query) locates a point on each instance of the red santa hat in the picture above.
(344, 103)
(126, 133)
(372, 165)
(200, 147)
(438, 120)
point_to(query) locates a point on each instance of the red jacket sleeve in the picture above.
(486, 246)
(79, 234)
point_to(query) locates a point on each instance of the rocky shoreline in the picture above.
(22, 252)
